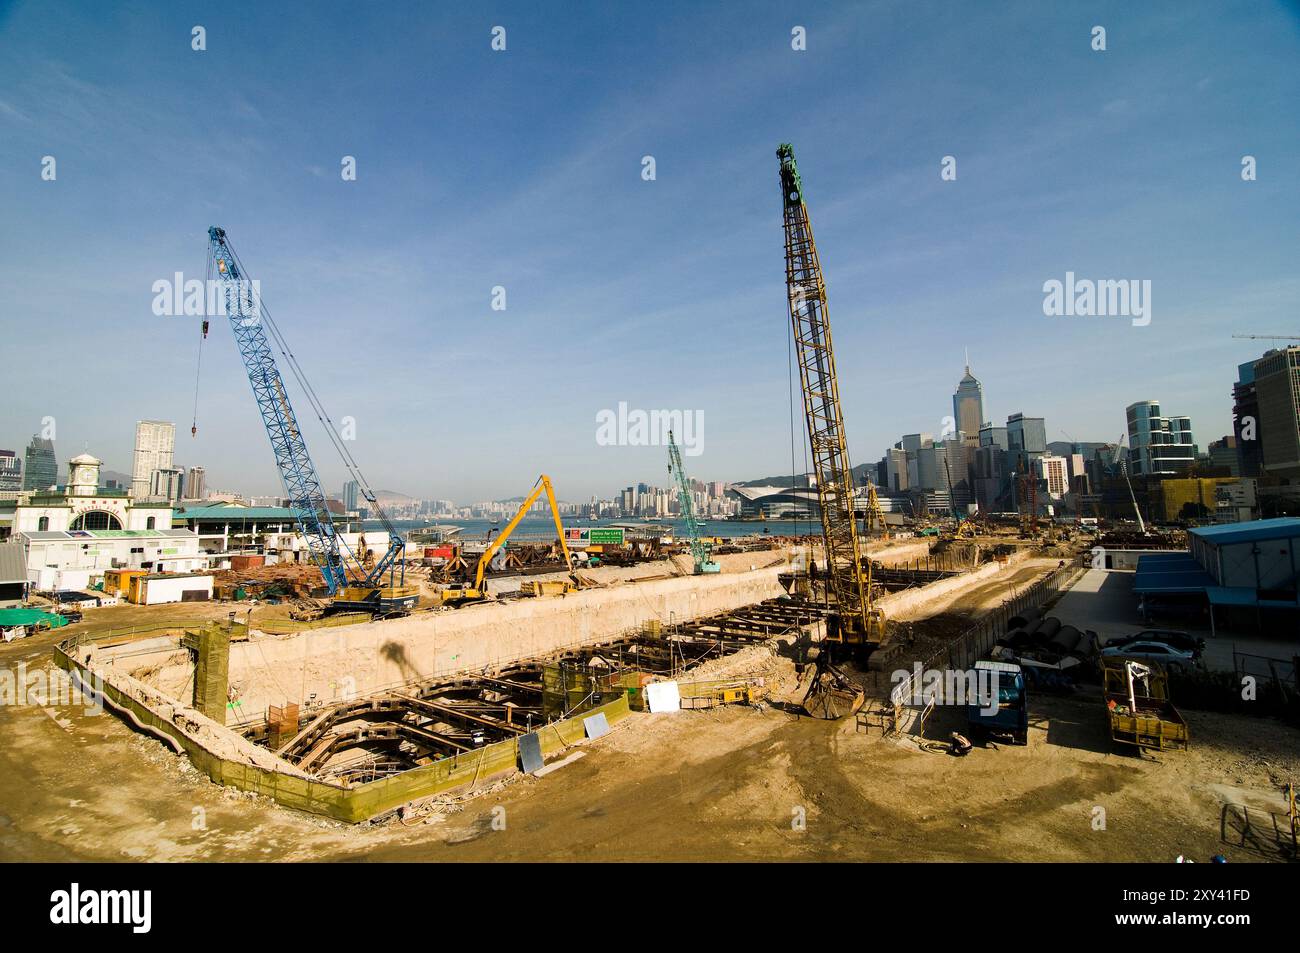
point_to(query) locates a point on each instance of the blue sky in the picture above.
(523, 169)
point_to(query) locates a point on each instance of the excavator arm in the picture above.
(544, 484)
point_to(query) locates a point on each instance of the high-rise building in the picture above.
(167, 483)
(351, 495)
(991, 436)
(11, 472)
(992, 480)
(1026, 442)
(927, 468)
(155, 441)
(1054, 471)
(196, 483)
(1158, 444)
(943, 468)
(40, 468)
(1245, 422)
(956, 464)
(1078, 470)
(1223, 455)
(1277, 386)
(896, 470)
(968, 406)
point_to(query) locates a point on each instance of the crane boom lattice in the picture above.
(302, 486)
(849, 587)
(254, 330)
(699, 552)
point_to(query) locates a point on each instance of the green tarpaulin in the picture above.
(13, 617)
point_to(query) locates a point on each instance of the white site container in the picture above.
(72, 580)
(174, 587)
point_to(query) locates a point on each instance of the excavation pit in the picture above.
(362, 758)
(365, 739)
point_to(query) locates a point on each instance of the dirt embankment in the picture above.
(731, 783)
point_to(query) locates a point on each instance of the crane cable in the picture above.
(198, 364)
(198, 369)
(794, 477)
(317, 406)
(349, 462)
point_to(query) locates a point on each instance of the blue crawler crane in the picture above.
(366, 588)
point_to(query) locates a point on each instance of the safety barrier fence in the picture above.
(975, 642)
(1258, 685)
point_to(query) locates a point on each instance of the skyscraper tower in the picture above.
(196, 484)
(968, 406)
(155, 441)
(40, 469)
(1277, 388)
(11, 472)
(1158, 443)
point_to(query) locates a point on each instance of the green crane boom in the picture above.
(699, 552)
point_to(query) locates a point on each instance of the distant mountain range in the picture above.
(1062, 448)
(860, 475)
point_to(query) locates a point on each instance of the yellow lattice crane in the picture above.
(857, 622)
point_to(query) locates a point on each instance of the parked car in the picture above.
(1171, 658)
(72, 615)
(1171, 637)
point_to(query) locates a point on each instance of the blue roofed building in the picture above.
(1244, 573)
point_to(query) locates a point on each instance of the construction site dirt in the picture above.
(729, 783)
(732, 782)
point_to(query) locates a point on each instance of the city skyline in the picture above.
(969, 383)
(968, 391)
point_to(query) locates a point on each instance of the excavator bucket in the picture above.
(830, 695)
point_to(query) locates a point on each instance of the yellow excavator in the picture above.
(876, 524)
(461, 593)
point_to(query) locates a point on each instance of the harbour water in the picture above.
(543, 527)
